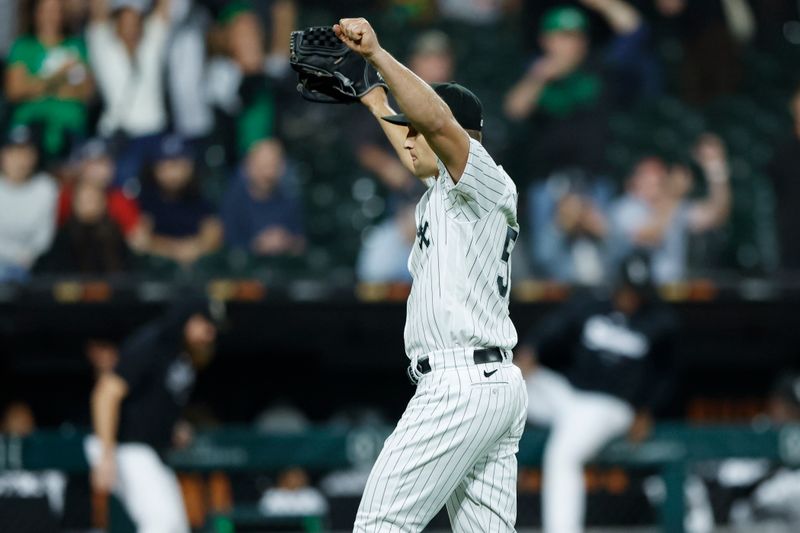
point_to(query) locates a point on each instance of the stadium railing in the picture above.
(671, 449)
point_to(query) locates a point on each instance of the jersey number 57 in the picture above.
(505, 271)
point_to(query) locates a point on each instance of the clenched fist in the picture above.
(358, 35)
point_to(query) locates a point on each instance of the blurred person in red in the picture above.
(783, 169)
(657, 214)
(616, 359)
(136, 409)
(27, 205)
(94, 164)
(89, 242)
(127, 50)
(48, 78)
(178, 223)
(261, 213)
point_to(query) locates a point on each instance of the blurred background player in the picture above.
(135, 409)
(617, 352)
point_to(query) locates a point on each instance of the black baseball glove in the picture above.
(328, 71)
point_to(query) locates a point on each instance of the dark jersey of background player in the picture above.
(160, 377)
(602, 349)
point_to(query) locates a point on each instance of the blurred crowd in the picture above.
(143, 136)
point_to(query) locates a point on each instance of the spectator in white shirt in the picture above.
(191, 111)
(27, 205)
(127, 51)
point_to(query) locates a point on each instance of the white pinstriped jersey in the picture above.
(461, 260)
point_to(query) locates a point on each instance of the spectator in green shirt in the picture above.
(47, 79)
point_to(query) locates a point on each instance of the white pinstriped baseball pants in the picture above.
(455, 445)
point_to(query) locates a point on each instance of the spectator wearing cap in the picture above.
(127, 53)
(432, 57)
(95, 165)
(27, 205)
(475, 12)
(89, 242)
(260, 212)
(177, 222)
(656, 213)
(565, 96)
(48, 79)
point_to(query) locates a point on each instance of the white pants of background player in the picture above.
(581, 424)
(454, 446)
(147, 488)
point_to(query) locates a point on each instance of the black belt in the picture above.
(479, 357)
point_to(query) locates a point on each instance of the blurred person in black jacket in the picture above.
(89, 242)
(618, 353)
(136, 409)
(784, 173)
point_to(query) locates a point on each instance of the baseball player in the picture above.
(135, 409)
(619, 365)
(455, 444)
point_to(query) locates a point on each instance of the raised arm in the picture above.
(377, 101)
(426, 111)
(99, 11)
(163, 9)
(107, 397)
(712, 211)
(620, 15)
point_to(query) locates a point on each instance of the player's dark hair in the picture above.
(475, 134)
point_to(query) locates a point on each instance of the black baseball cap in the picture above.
(466, 107)
(19, 136)
(174, 147)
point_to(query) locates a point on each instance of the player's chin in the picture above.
(422, 170)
